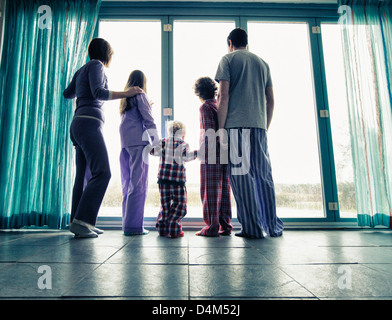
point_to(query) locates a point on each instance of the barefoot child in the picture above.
(173, 152)
(214, 176)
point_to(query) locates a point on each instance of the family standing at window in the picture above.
(234, 119)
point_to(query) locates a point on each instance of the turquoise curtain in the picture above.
(42, 49)
(367, 42)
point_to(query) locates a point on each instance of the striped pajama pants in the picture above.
(252, 183)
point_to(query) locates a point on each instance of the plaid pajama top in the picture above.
(208, 129)
(173, 152)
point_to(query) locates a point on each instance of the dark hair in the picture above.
(238, 37)
(101, 50)
(205, 88)
(136, 79)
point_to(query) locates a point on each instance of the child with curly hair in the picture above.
(173, 152)
(214, 175)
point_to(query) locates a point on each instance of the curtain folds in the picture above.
(367, 43)
(42, 50)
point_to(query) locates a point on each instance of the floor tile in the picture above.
(130, 280)
(150, 255)
(381, 267)
(341, 280)
(326, 238)
(243, 281)
(6, 236)
(217, 242)
(375, 237)
(302, 264)
(10, 253)
(112, 238)
(367, 254)
(226, 255)
(43, 239)
(303, 255)
(154, 240)
(21, 280)
(73, 254)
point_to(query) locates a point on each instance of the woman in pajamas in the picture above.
(214, 176)
(137, 126)
(89, 85)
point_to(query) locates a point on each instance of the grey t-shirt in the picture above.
(248, 75)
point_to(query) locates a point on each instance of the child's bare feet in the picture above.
(204, 234)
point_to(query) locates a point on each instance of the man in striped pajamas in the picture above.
(245, 108)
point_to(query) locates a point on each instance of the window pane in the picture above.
(136, 45)
(292, 137)
(336, 89)
(198, 48)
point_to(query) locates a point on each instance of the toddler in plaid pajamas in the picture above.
(173, 152)
(214, 174)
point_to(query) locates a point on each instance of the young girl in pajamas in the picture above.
(173, 152)
(136, 129)
(214, 176)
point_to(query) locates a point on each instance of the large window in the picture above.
(336, 89)
(136, 45)
(292, 137)
(310, 156)
(198, 47)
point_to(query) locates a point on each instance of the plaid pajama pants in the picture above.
(215, 196)
(173, 209)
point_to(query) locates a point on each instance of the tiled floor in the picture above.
(309, 264)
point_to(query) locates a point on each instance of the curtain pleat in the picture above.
(36, 152)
